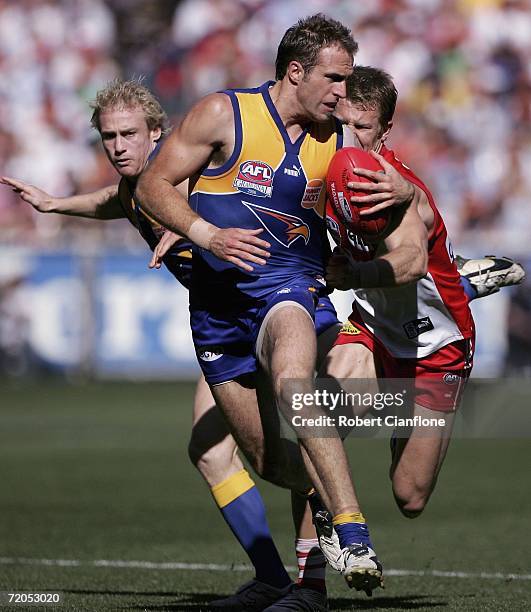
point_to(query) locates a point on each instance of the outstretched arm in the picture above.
(101, 204)
(208, 129)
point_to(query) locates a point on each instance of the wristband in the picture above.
(201, 233)
(368, 275)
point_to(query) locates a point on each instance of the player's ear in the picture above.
(386, 131)
(295, 72)
(156, 134)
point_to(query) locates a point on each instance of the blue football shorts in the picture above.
(226, 341)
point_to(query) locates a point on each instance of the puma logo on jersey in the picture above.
(414, 328)
(293, 171)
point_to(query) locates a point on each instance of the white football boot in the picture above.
(357, 563)
(489, 274)
(328, 539)
(361, 568)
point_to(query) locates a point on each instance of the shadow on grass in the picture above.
(404, 602)
(200, 603)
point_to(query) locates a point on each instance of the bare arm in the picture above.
(406, 260)
(407, 250)
(183, 153)
(101, 204)
(207, 129)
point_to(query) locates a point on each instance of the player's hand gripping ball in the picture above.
(340, 172)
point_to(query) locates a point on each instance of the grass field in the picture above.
(100, 472)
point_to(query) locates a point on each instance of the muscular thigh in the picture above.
(287, 343)
(325, 343)
(353, 360)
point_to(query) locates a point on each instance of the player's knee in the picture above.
(212, 463)
(200, 451)
(200, 459)
(409, 508)
(411, 500)
(194, 452)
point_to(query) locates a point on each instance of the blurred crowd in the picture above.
(462, 67)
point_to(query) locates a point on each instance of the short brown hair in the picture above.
(129, 94)
(304, 40)
(372, 88)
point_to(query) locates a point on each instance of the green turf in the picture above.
(101, 472)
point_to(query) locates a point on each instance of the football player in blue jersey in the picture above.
(257, 162)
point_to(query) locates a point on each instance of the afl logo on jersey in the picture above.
(255, 178)
(451, 378)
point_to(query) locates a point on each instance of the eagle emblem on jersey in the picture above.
(255, 178)
(284, 228)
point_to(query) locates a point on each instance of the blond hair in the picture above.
(120, 94)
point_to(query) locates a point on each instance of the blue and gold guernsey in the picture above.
(178, 260)
(272, 183)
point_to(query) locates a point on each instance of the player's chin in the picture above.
(323, 112)
(323, 116)
(126, 171)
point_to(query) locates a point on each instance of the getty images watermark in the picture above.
(443, 406)
(365, 407)
(334, 402)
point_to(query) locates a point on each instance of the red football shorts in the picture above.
(440, 377)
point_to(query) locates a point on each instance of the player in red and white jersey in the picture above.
(410, 314)
(412, 320)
